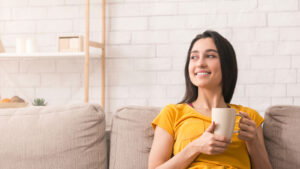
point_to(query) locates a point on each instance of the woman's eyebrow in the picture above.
(208, 50)
(211, 50)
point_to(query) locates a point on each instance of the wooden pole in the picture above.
(1, 47)
(103, 51)
(87, 52)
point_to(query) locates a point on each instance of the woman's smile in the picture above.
(202, 73)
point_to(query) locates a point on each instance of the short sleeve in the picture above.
(166, 119)
(255, 116)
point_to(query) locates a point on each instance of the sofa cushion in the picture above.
(131, 137)
(59, 137)
(281, 133)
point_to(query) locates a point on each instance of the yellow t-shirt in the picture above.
(185, 124)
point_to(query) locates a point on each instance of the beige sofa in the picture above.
(74, 137)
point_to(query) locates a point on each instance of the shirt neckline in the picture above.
(199, 113)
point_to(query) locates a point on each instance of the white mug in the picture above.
(224, 119)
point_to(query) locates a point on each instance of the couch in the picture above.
(74, 137)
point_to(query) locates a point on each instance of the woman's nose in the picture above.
(201, 62)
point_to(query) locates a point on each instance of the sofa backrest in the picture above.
(131, 137)
(60, 137)
(282, 136)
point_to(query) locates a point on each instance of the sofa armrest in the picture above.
(281, 134)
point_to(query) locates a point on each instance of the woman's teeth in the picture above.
(202, 73)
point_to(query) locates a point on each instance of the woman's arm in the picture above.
(258, 153)
(255, 143)
(162, 146)
(161, 152)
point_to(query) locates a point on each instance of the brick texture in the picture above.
(147, 44)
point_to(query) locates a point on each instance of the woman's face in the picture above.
(204, 66)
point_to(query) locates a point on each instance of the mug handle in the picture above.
(236, 131)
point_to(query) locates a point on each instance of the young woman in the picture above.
(184, 133)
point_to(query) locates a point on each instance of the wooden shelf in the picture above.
(47, 55)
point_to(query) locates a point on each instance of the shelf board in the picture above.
(47, 55)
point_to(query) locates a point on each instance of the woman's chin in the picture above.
(206, 85)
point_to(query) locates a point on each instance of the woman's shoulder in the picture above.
(243, 108)
(254, 115)
(176, 107)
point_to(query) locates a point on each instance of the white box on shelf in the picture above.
(70, 44)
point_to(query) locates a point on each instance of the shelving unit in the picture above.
(86, 54)
(101, 45)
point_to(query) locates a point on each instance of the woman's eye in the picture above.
(193, 57)
(211, 56)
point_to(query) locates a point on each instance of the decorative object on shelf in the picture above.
(39, 102)
(1, 47)
(17, 99)
(31, 45)
(5, 100)
(20, 45)
(14, 102)
(70, 44)
(26, 45)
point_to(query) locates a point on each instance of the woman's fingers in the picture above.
(246, 127)
(245, 115)
(211, 127)
(220, 144)
(248, 134)
(218, 150)
(212, 144)
(245, 135)
(222, 139)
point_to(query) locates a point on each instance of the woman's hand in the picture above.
(208, 143)
(248, 130)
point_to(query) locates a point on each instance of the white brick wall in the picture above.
(13, 3)
(167, 22)
(158, 8)
(37, 66)
(284, 19)
(54, 26)
(289, 34)
(5, 13)
(124, 9)
(277, 5)
(44, 3)
(147, 43)
(203, 21)
(69, 12)
(18, 27)
(129, 23)
(136, 51)
(150, 37)
(29, 13)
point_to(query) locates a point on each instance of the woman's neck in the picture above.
(208, 99)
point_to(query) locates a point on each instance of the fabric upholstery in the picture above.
(281, 133)
(60, 137)
(131, 137)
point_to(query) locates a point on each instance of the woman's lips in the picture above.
(201, 74)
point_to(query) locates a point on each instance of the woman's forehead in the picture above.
(204, 44)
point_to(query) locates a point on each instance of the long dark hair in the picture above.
(228, 67)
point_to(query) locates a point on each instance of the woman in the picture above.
(184, 136)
